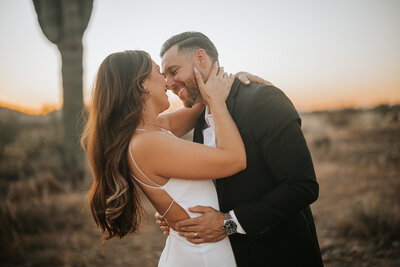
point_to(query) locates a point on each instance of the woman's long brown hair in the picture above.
(114, 113)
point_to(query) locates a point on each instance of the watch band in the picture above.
(229, 226)
(227, 216)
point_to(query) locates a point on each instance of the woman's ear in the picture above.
(144, 85)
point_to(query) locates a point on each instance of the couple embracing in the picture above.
(238, 195)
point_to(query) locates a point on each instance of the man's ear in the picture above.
(201, 57)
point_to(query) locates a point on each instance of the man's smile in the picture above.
(180, 91)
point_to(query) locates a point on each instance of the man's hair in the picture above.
(191, 41)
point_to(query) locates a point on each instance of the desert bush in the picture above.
(341, 118)
(26, 218)
(9, 130)
(375, 217)
(30, 229)
(36, 188)
(383, 109)
(321, 144)
(39, 215)
(36, 150)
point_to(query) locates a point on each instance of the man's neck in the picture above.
(207, 112)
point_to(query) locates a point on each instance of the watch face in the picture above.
(230, 227)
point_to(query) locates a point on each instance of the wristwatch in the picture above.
(229, 226)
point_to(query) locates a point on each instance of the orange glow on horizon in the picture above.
(301, 104)
(43, 110)
(340, 104)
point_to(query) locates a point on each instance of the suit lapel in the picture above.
(198, 128)
(230, 104)
(230, 101)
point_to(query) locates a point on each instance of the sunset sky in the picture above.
(322, 54)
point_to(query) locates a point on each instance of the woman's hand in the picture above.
(246, 78)
(162, 223)
(218, 85)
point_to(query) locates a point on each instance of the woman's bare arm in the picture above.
(181, 121)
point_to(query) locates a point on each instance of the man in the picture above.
(265, 208)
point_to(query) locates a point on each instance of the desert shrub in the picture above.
(9, 130)
(34, 216)
(36, 150)
(40, 187)
(340, 118)
(322, 144)
(22, 219)
(383, 109)
(30, 229)
(375, 217)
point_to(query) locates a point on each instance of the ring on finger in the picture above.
(196, 235)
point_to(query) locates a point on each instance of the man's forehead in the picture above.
(171, 58)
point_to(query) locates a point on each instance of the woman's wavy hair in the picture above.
(114, 113)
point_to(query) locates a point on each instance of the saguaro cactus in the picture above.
(63, 22)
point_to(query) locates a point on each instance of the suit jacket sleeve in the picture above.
(275, 125)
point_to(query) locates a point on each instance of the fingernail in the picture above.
(195, 69)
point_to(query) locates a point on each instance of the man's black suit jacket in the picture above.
(271, 197)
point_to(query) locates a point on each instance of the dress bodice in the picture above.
(186, 193)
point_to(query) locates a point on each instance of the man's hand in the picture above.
(206, 228)
(160, 221)
(246, 78)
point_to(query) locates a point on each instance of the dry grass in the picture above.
(357, 158)
(375, 218)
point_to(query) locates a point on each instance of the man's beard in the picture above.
(193, 97)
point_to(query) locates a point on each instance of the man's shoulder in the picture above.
(264, 110)
(255, 90)
(266, 98)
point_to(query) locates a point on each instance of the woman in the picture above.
(130, 145)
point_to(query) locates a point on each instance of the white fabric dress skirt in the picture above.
(178, 252)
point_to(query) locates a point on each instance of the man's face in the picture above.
(179, 74)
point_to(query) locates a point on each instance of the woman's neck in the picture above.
(150, 120)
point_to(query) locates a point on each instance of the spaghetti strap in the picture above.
(144, 175)
(167, 131)
(160, 187)
(150, 186)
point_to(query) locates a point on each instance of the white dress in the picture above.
(178, 252)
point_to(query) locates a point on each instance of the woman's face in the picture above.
(156, 84)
